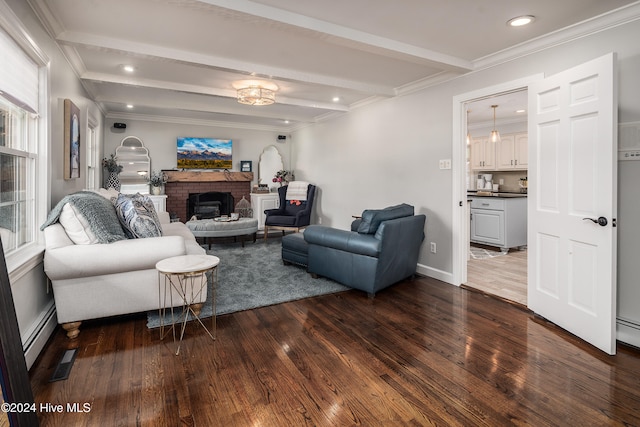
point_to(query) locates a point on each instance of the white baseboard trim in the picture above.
(628, 332)
(435, 273)
(37, 338)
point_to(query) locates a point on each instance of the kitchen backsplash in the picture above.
(511, 180)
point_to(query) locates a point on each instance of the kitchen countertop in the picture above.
(499, 195)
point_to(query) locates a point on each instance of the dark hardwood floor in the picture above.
(420, 353)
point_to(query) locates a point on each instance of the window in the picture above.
(24, 113)
(92, 152)
(18, 137)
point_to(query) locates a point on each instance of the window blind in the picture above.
(18, 75)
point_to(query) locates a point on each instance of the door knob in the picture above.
(602, 221)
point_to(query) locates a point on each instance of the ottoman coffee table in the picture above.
(213, 228)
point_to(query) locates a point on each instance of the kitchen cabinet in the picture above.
(483, 154)
(497, 221)
(262, 202)
(521, 150)
(512, 152)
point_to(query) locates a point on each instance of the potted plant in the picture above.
(157, 180)
(112, 166)
(283, 177)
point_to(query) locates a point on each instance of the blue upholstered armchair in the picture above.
(291, 214)
(381, 249)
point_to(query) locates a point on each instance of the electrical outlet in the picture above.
(433, 247)
(445, 164)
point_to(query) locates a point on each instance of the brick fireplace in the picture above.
(180, 184)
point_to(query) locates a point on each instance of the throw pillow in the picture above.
(138, 216)
(86, 214)
(76, 226)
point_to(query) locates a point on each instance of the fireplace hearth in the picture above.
(211, 204)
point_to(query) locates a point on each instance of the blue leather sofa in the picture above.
(381, 249)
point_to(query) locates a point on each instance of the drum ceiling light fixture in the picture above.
(256, 95)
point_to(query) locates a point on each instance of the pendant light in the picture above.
(495, 135)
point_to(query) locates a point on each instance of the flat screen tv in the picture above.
(204, 153)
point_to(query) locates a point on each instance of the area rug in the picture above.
(254, 276)
(482, 253)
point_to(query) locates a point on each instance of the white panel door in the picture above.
(572, 181)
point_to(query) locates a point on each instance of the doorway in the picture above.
(461, 211)
(498, 169)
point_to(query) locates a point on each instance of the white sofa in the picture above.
(98, 280)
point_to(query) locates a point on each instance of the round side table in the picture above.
(187, 277)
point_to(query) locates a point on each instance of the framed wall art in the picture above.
(245, 166)
(71, 140)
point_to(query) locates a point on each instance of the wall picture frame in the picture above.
(72, 139)
(246, 166)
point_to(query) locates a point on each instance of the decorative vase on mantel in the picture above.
(113, 181)
(156, 190)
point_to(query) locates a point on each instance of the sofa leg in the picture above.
(314, 275)
(72, 328)
(371, 295)
(197, 308)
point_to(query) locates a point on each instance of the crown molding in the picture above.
(427, 82)
(48, 19)
(12, 25)
(577, 31)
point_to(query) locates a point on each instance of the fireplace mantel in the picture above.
(182, 183)
(208, 176)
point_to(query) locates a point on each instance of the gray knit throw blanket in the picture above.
(99, 212)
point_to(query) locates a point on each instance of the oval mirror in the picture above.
(270, 163)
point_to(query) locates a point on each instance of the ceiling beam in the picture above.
(190, 103)
(202, 90)
(344, 35)
(226, 64)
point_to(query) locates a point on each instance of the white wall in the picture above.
(388, 152)
(160, 139)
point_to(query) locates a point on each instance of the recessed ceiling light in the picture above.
(519, 21)
(336, 99)
(286, 122)
(129, 106)
(128, 68)
(520, 111)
